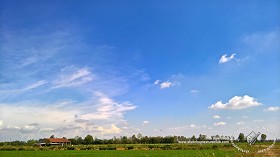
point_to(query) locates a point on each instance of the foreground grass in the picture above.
(119, 153)
(139, 150)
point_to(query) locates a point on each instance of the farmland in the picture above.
(158, 150)
(117, 153)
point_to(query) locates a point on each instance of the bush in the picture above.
(130, 147)
(166, 147)
(215, 147)
(151, 146)
(70, 148)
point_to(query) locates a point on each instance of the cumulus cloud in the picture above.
(113, 129)
(236, 103)
(220, 123)
(145, 122)
(166, 84)
(193, 126)
(216, 116)
(102, 116)
(72, 76)
(30, 128)
(225, 59)
(272, 109)
(1, 124)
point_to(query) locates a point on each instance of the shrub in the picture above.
(130, 147)
(70, 148)
(215, 147)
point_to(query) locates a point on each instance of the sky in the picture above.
(118, 68)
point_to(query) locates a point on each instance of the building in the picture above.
(54, 141)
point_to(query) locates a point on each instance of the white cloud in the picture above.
(216, 116)
(30, 128)
(240, 123)
(108, 109)
(27, 88)
(113, 129)
(145, 122)
(102, 116)
(72, 76)
(166, 84)
(193, 126)
(220, 124)
(194, 91)
(236, 103)
(157, 82)
(35, 85)
(1, 124)
(272, 109)
(225, 59)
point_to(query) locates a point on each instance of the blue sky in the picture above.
(112, 68)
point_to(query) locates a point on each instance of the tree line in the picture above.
(134, 139)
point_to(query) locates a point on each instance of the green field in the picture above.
(118, 153)
(138, 150)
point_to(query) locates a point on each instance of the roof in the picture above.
(58, 140)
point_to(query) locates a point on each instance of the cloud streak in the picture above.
(72, 77)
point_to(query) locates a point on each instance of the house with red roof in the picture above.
(54, 141)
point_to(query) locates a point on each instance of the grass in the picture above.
(119, 153)
(139, 150)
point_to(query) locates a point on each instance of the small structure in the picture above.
(54, 141)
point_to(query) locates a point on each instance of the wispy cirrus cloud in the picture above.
(72, 76)
(236, 103)
(35, 85)
(263, 42)
(12, 92)
(108, 109)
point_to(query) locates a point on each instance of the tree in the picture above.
(31, 142)
(88, 139)
(201, 137)
(241, 137)
(134, 139)
(124, 140)
(80, 140)
(52, 136)
(139, 136)
(193, 138)
(263, 137)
